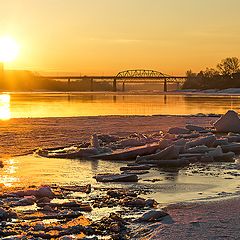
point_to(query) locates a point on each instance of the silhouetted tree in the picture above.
(229, 66)
(190, 74)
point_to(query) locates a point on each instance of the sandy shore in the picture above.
(21, 136)
(206, 220)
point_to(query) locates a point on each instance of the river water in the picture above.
(191, 183)
(24, 105)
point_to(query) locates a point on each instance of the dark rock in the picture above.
(138, 167)
(6, 214)
(44, 191)
(151, 203)
(229, 122)
(195, 128)
(153, 215)
(133, 202)
(178, 130)
(116, 178)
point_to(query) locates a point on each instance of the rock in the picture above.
(221, 141)
(94, 141)
(217, 152)
(47, 208)
(229, 122)
(180, 142)
(206, 159)
(114, 227)
(138, 167)
(168, 153)
(188, 136)
(108, 138)
(173, 163)
(44, 200)
(165, 143)
(225, 157)
(136, 172)
(178, 130)
(6, 214)
(232, 147)
(28, 192)
(151, 203)
(44, 191)
(131, 142)
(133, 202)
(208, 141)
(198, 149)
(153, 215)
(116, 178)
(195, 128)
(27, 200)
(39, 226)
(129, 154)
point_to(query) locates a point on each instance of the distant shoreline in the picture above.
(226, 92)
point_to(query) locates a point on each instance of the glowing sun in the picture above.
(9, 49)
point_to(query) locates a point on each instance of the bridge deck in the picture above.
(113, 77)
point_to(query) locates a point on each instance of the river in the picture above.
(24, 105)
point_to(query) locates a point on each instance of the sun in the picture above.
(9, 49)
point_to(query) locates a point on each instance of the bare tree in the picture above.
(229, 66)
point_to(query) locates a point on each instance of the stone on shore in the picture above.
(195, 128)
(44, 191)
(178, 130)
(171, 152)
(208, 141)
(198, 149)
(116, 178)
(138, 167)
(153, 215)
(6, 214)
(229, 122)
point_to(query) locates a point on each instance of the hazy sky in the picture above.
(107, 36)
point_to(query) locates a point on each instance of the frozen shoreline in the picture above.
(208, 219)
(21, 136)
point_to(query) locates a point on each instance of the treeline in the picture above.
(28, 81)
(226, 75)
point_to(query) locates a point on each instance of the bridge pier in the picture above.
(114, 85)
(69, 80)
(91, 85)
(123, 86)
(165, 85)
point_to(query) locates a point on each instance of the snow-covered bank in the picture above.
(22, 135)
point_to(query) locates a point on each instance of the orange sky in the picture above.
(107, 36)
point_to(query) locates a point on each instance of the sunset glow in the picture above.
(105, 37)
(9, 49)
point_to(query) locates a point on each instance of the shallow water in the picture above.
(18, 105)
(192, 183)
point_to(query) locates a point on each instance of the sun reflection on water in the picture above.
(7, 178)
(5, 112)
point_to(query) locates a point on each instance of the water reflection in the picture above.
(24, 105)
(5, 112)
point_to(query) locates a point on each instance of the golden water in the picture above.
(22, 105)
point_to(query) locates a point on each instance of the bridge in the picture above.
(128, 76)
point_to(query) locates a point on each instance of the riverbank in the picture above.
(188, 220)
(23, 135)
